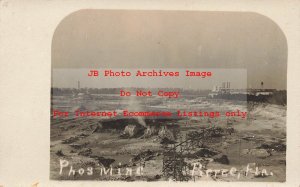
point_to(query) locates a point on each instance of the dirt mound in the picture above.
(59, 153)
(273, 146)
(106, 162)
(145, 156)
(167, 141)
(74, 138)
(223, 159)
(70, 140)
(132, 131)
(150, 131)
(259, 153)
(79, 146)
(164, 132)
(205, 152)
(85, 152)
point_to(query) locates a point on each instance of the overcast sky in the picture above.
(100, 39)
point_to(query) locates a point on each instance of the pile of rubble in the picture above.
(150, 131)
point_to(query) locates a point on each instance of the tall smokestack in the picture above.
(78, 85)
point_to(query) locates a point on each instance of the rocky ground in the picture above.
(258, 142)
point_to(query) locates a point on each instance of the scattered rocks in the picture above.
(98, 129)
(129, 179)
(85, 152)
(204, 152)
(260, 153)
(164, 132)
(65, 128)
(215, 132)
(157, 177)
(273, 146)
(249, 138)
(106, 162)
(282, 162)
(82, 135)
(223, 159)
(167, 141)
(230, 130)
(150, 131)
(59, 153)
(225, 144)
(154, 178)
(70, 140)
(252, 138)
(79, 146)
(74, 138)
(146, 155)
(131, 131)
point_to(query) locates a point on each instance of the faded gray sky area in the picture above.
(143, 39)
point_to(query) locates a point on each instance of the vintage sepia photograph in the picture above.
(168, 95)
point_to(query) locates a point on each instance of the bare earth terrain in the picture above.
(194, 148)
